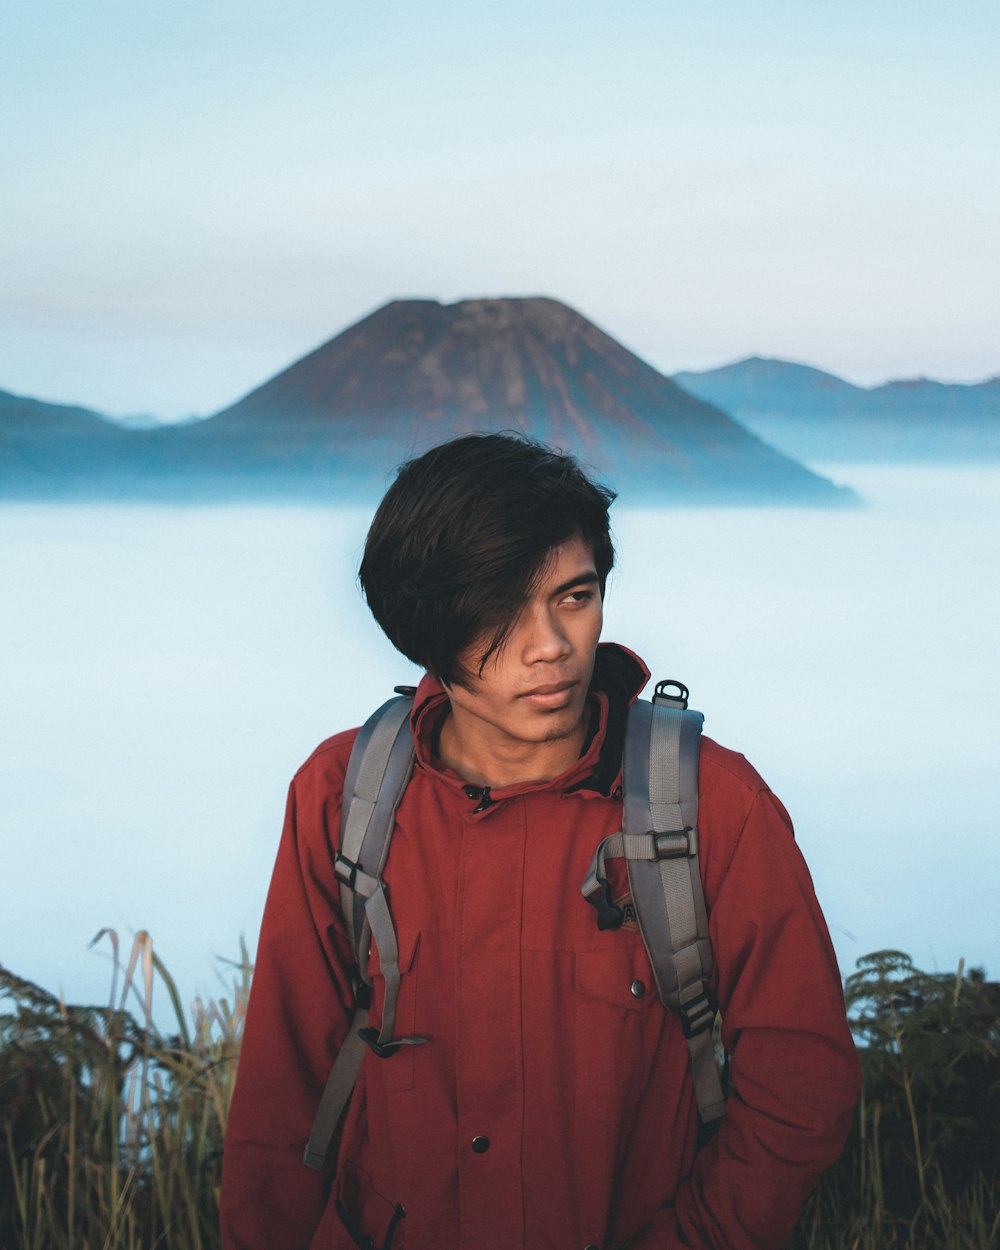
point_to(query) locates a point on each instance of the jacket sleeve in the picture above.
(795, 1076)
(300, 1008)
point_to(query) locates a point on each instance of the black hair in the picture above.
(463, 534)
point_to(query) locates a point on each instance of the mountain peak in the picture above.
(415, 372)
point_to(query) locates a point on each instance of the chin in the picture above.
(554, 726)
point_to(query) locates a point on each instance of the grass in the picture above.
(113, 1130)
(921, 1170)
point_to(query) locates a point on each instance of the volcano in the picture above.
(334, 425)
(418, 372)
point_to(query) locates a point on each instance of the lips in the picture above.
(550, 697)
(555, 687)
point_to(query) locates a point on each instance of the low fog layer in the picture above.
(165, 670)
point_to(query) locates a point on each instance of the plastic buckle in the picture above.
(350, 877)
(361, 990)
(665, 693)
(384, 1050)
(609, 915)
(697, 1015)
(675, 845)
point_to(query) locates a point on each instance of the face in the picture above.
(532, 692)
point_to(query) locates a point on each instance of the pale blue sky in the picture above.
(196, 194)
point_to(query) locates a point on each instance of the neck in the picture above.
(485, 757)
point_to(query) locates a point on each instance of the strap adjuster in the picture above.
(609, 914)
(680, 844)
(384, 1050)
(345, 870)
(697, 1015)
(671, 693)
(361, 990)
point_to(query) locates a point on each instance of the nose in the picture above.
(543, 641)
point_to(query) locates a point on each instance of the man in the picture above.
(551, 1105)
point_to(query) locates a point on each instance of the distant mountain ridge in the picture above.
(809, 412)
(417, 372)
(18, 412)
(46, 448)
(334, 424)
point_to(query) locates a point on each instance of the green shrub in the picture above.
(922, 1166)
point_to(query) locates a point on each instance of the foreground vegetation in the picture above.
(921, 1170)
(113, 1130)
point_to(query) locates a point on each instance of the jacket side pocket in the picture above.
(372, 1221)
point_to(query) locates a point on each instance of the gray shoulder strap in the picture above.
(378, 772)
(659, 843)
(661, 797)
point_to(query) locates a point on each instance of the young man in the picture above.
(551, 1105)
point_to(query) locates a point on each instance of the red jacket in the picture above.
(576, 1092)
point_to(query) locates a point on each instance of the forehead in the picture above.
(570, 561)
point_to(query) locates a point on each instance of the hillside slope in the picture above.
(416, 372)
(817, 415)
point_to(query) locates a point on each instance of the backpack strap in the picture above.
(378, 772)
(659, 843)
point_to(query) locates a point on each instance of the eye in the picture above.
(582, 596)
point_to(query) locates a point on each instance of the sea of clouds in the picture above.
(164, 670)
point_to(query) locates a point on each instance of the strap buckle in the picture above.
(384, 1050)
(680, 844)
(345, 870)
(362, 991)
(697, 1015)
(672, 693)
(609, 914)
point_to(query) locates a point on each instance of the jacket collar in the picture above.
(619, 676)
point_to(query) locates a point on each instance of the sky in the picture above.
(197, 194)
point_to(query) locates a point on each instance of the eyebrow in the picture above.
(589, 578)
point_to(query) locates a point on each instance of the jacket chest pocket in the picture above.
(618, 1023)
(395, 1071)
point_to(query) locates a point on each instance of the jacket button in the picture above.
(480, 1145)
(638, 989)
(616, 793)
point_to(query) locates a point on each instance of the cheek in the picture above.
(596, 622)
(481, 692)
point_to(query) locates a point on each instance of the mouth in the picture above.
(554, 695)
